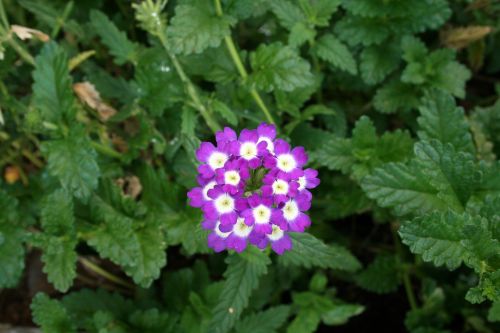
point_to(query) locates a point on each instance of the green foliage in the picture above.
(309, 251)
(278, 67)
(196, 27)
(381, 276)
(368, 87)
(242, 277)
(120, 47)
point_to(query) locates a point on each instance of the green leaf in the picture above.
(395, 96)
(336, 53)
(267, 321)
(52, 90)
(403, 188)
(449, 239)
(441, 119)
(381, 276)
(11, 255)
(319, 12)
(160, 87)
(51, 315)
(287, 13)
(73, 161)
(114, 237)
(494, 312)
(58, 240)
(452, 78)
(279, 67)
(188, 121)
(196, 27)
(454, 174)
(151, 257)
(224, 111)
(356, 30)
(242, 277)
(300, 34)
(341, 313)
(308, 251)
(377, 62)
(120, 47)
(306, 321)
(59, 258)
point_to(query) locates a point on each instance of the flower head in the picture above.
(252, 190)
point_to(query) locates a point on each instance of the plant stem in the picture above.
(21, 51)
(106, 150)
(102, 272)
(3, 16)
(231, 47)
(406, 275)
(190, 88)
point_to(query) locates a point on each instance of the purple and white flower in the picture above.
(252, 190)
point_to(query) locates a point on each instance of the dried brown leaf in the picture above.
(28, 33)
(459, 38)
(87, 93)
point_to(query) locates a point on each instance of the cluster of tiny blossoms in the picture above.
(252, 189)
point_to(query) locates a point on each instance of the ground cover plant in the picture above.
(250, 165)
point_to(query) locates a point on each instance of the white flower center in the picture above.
(217, 160)
(290, 210)
(207, 188)
(261, 214)
(270, 144)
(276, 234)
(240, 229)
(220, 233)
(280, 187)
(232, 177)
(224, 204)
(302, 183)
(286, 162)
(248, 150)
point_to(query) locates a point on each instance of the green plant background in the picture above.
(394, 100)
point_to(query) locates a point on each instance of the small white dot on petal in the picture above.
(248, 150)
(224, 204)
(280, 187)
(207, 188)
(217, 160)
(261, 214)
(276, 234)
(286, 162)
(232, 177)
(290, 210)
(240, 229)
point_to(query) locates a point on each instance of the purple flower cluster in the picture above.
(252, 189)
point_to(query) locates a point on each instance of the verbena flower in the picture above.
(252, 190)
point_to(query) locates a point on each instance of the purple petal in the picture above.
(196, 197)
(204, 152)
(281, 147)
(267, 130)
(236, 243)
(206, 171)
(264, 228)
(228, 218)
(227, 135)
(281, 245)
(215, 242)
(300, 155)
(208, 224)
(248, 135)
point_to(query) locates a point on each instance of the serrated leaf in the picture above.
(319, 12)
(306, 321)
(267, 321)
(51, 315)
(242, 277)
(309, 251)
(73, 161)
(188, 121)
(381, 276)
(11, 255)
(59, 258)
(442, 120)
(52, 84)
(287, 13)
(196, 27)
(300, 34)
(396, 95)
(58, 240)
(453, 174)
(355, 30)
(379, 61)
(403, 188)
(336, 53)
(120, 47)
(279, 67)
(336, 155)
(151, 256)
(225, 112)
(113, 238)
(341, 313)
(449, 239)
